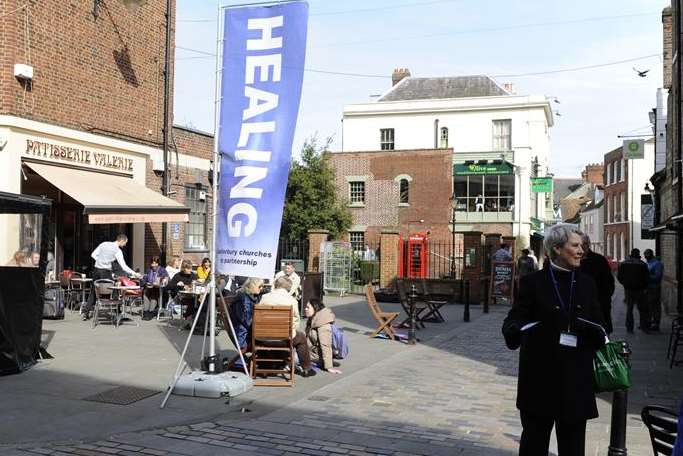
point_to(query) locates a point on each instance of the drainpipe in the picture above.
(165, 177)
(436, 133)
(677, 156)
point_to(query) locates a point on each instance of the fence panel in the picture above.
(293, 249)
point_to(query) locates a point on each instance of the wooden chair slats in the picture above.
(272, 333)
(384, 319)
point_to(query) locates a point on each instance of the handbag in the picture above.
(610, 370)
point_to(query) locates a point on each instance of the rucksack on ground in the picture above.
(53, 304)
(340, 348)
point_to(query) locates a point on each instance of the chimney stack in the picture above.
(509, 88)
(399, 74)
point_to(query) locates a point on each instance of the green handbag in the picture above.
(610, 370)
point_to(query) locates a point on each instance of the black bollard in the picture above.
(411, 330)
(466, 315)
(617, 438)
(486, 295)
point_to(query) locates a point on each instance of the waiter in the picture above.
(104, 255)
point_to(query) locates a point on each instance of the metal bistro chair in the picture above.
(104, 302)
(662, 423)
(79, 290)
(675, 341)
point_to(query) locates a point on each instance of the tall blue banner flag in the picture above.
(264, 50)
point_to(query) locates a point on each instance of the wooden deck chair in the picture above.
(384, 319)
(420, 306)
(272, 346)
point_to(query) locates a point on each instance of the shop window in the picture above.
(195, 230)
(386, 138)
(488, 193)
(443, 143)
(502, 135)
(357, 239)
(403, 189)
(357, 192)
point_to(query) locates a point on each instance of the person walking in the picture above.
(525, 264)
(105, 255)
(596, 266)
(556, 323)
(633, 275)
(654, 289)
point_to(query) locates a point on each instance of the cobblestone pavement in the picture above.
(451, 395)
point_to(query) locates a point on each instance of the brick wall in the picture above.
(667, 45)
(100, 75)
(593, 173)
(429, 190)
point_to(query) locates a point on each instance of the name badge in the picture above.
(568, 340)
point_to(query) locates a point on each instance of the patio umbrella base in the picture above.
(202, 384)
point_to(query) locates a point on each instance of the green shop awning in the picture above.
(481, 169)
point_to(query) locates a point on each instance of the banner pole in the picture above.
(215, 195)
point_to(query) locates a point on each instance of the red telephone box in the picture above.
(414, 255)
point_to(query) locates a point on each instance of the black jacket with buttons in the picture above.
(555, 381)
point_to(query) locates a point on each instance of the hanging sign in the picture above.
(634, 149)
(264, 50)
(541, 184)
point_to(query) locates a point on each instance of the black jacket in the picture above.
(597, 267)
(633, 274)
(555, 381)
(187, 279)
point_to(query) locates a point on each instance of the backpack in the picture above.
(340, 348)
(53, 304)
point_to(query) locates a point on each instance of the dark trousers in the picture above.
(654, 304)
(301, 346)
(606, 308)
(571, 437)
(636, 298)
(150, 299)
(97, 275)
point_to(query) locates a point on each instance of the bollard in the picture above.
(411, 330)
(466, 315)
(617, 438)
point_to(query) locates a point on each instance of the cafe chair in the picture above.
(675, 341)
(79, 290)
(104, 304)
(384, 319)
(272, 345)
(67, 291)
(662, 424)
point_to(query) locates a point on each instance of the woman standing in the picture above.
(556, 322)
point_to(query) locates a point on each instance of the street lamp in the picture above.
(454, 203)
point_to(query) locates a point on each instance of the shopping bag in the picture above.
(610, 370)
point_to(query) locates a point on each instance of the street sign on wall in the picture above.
(634, 149)
(542, 184)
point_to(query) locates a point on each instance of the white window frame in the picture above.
(398, 179)
(356, 203)
(500, 141)
(356, 242)
(443, 138)
(387, 139)
(623, 170)
(609, 173)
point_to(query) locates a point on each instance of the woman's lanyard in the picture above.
(567, 309)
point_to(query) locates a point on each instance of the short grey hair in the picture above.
(557, 236)
(283, 282)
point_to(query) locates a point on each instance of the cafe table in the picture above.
(82, 281)
(123, 315)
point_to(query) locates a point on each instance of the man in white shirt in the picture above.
(295, 291)
(104, 255)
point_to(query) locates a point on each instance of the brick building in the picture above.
(627, 203)
(81, 121)
(471, 141)
(668, 198)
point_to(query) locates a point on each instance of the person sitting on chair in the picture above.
(319, 333)
(281, 296)
(183, 281)
(204, 270)
(241, 314)
(151, 283)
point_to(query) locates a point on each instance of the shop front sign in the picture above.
(485, 169)
(541, 184)
(76, 156)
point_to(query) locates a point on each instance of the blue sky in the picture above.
(459, 37)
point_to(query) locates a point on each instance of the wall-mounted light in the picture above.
(130, 5)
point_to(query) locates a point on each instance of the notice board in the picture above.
(502, 280)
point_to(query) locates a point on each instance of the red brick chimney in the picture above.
(399, 74)
(593, 174)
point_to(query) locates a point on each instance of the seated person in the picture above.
(183, 281)
(280, 296)
(241, 314)
(204, 270)
(319, 333)
(173, 266)
(151, 283)
(293, 277)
